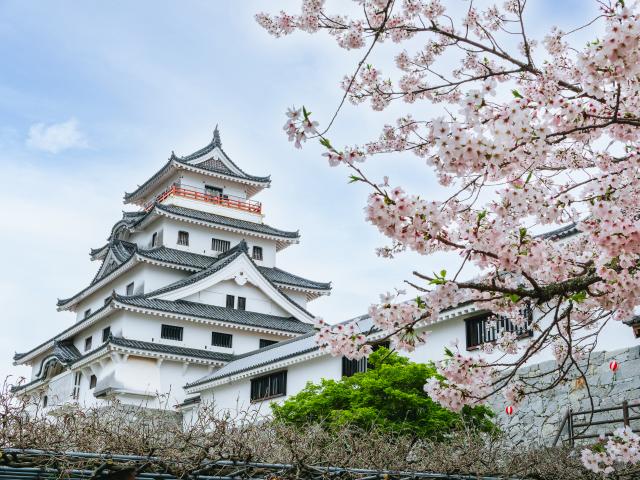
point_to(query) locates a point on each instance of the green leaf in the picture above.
(528, 177)
(355, 178)
(523, 232)
(448, 352)
(579, 297)
(515, 298)
(326, 143)
(516, 93)
(305, 113)
(443, 274)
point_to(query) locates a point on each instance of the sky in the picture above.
(94, 96)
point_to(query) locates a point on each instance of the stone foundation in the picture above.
(538, 418)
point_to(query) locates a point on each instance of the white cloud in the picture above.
(56, 137)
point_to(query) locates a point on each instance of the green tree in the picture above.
(389, 396)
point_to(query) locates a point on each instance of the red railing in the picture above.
(197, 194)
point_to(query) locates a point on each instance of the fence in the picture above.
(19, 464)
(628, 410)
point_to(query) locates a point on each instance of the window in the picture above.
(265, 343)
(154, 239)
(93, 380)
(183, 238)
(257, 253)
(487, 328)
(130, 288)
(106, 300)
(105, 333)
(220, 245)
(87, 312)
(231, 300)
(171, 332)
(242, 303)
(87, 344)
(351, 367)
(77, 378)
(214, 191)
(45, 401)
(221, 339)
(269, 386)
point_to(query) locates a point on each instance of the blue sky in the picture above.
(125, 83)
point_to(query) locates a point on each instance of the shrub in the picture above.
(389, 396)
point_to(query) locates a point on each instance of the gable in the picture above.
(256, 299)
(239, 271)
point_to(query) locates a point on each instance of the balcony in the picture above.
(195, 193)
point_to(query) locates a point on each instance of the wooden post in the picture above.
(625, 413)
(570, 428)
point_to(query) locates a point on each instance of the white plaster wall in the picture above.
(299, 297)
(257, 301)
(235, 397)
(146, 278)
(115, 321)
(614, 335)
(200, 240)
(195, 335)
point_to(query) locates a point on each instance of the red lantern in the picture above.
(613, 365)
(509, 410)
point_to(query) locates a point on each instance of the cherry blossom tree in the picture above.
(532, 134)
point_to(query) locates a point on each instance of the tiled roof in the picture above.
(225, 221)
(122, 251)
(285, 278)
(170, 349)
(258, 358)
(66, 351)
(74, 355)
(206, 165)
(274, 353)
(178, 257)
(220, 262)
(561, 232)
(212, 312)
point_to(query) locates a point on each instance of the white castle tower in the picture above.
(185, 285)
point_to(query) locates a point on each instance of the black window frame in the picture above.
(88, 343)
(257, 253)
(106, 331)
(269, 386)
(265, 342)
(130, 289)
(154, 239)
(93, 381)
(223, 245)
(231, 301)
(478, 331)
(351, 367)
(183, 238)
(242, 303)
(87, 312)
(171, 332)
(221, 339)
(219, 191)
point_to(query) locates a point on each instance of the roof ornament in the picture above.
(216, 137)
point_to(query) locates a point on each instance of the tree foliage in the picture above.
(389, 395)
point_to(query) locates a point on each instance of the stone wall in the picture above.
(538, 418)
